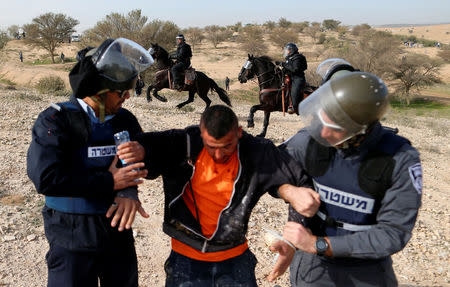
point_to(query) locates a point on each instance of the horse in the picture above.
(201, 84)
(271, 88)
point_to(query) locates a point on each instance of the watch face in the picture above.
(321, 246)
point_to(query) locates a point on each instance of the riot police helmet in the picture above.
(343, 107)
(290, 49)
(333, 68)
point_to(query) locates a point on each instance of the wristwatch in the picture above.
(321, 246)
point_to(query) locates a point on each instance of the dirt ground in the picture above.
(424, 261)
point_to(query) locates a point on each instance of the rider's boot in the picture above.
(290, 110)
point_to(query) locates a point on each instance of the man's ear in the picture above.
(239, 132)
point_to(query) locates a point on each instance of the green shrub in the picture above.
(50, 84)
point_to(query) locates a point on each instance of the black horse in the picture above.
(271, 90)
(201, 85)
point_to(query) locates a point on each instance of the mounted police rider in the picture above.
(183, 61)
(90, 203)
(295, 66)
(369, 180)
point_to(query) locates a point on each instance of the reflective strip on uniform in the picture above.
(346, 226)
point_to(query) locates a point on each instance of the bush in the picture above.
(50, 84)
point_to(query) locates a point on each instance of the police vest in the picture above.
(96, 151)
(351, 189)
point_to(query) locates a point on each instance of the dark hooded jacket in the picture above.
(262, 167)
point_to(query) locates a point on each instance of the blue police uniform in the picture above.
(370, 196)
(68, 161)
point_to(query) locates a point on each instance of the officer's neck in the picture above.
(93, 104)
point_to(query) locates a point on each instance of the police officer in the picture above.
(295, 66)
(183, 61)
(90, 201)
(369, 180)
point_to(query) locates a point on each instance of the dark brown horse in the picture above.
(270, 80)
(201, 85)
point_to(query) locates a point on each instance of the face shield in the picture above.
(122, 60)
(325, 120)
(328, 67)
(286, 52)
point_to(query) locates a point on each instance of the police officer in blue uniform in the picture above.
(90, 199)
(369, 180)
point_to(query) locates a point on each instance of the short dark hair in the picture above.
(219, 120)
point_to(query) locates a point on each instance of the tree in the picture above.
(195, 36)
(330, 24)
(161, 32)
(373, 51)
(284, 23)
(3, 39)
(270, 25)
(312, 32)
(13, 30)
(414, 72)
(299, 27)
(251, 40)
(281, 36)
(217, 34)
(359, 29)
(117, 25)
(49, 30)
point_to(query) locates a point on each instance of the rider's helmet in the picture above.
(348, 105)
(290, 49)
(114, 65)
(333, 68)
(180, 36)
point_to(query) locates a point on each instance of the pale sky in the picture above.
(200, 13)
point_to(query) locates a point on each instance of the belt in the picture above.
(79, 205)
(330, 221)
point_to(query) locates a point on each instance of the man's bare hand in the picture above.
(131, 152)
(300, 236)
(304, 200)
(124, 210)
(127, 176)
(286, 253)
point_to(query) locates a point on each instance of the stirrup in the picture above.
(290, 110)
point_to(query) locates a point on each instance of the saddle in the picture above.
(189, 77)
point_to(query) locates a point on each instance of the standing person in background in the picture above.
(369, 180)
(227, 83)
(90, 202)
(21, 56)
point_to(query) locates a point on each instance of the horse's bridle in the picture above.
(257, 76)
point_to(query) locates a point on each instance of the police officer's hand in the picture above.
(127, 176)
(286, 253)
(124, 210)
(131, 151)
(300, 236)
(304, 200)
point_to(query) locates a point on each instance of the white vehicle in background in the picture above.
(75, 38)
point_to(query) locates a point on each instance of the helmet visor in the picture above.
(328, 66)
(122, 60)
(325, 120)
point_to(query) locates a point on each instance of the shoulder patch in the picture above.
(415, 173)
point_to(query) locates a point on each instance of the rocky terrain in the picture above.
(424, 261)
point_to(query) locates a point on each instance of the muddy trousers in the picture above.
(311, 270)
(239, 271)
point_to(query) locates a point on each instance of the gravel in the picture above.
(423, 262)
